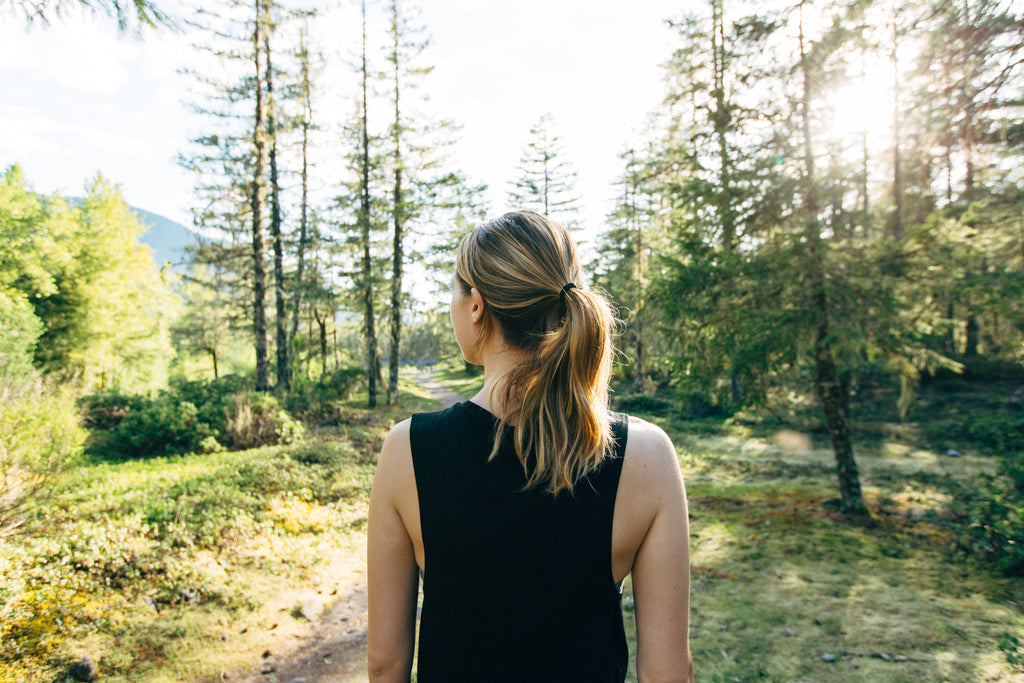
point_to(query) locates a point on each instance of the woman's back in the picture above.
(527, 505)
(517, 583)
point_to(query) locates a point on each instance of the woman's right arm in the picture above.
(661, 570)
(392, 573)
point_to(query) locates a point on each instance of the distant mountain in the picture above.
(167, 238)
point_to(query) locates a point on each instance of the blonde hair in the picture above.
(525, 267)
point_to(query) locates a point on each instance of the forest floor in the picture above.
(783, 588)
(332, 648)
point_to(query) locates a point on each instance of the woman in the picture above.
(525, 507)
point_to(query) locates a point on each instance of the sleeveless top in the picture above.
(517, 584)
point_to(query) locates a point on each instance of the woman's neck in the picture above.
(499, 360)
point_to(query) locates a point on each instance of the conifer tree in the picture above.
(546, 181)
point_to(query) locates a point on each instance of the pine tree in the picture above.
(238, 174)
(624, 257)
(546, 181)
(133, 15)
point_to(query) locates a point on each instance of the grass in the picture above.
(180, 568)
(459, 380)
(779, 583)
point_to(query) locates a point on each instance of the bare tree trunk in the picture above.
(256, 203)
(397, 254)
(283, 383)
(639, 269)
(369, 331)
(322, 325)
(213, 357)
(897, 177)
(304, 201)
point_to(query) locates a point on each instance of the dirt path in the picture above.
(446, 396)
(333, 647)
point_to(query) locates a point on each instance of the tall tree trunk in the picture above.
(307, 115)
(213, 357)
(835, 401)
(897, 177)
(256, 204)
(398, 216)
(280, 318)
(322, 324)
(826, 381)
(639, 270)
(724, 202)
(972, 333)
(547, 175)
(369, 331)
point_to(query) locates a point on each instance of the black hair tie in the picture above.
(565, 288)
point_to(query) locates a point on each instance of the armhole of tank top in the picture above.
(415, 425)
(621, 420)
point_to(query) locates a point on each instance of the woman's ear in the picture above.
(476, 312)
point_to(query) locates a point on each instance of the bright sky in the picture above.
(78, 99)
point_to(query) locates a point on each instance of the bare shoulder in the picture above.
(398, 436)
(649, 448)
(396, 454)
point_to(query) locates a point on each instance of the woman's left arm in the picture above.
(392, 574)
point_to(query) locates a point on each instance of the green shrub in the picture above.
(999, 430)
(157, 427)
(105, 410)
(257, 419)
(40, 436)
(213, 399)
(331, 454)
(19, 331)
(992, 518)
(316, 401)
(642, 403)
(201, 417)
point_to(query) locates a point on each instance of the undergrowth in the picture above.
(169, 532)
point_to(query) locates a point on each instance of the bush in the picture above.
(19, 330)
(201, 417)
(642, 403)
(999, 430)
(39, 437)
(157, 427)
(258, 420)
(992, 520)
(104, 411)
(316, 401)
(213, 399)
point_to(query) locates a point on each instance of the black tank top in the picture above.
(517, 585)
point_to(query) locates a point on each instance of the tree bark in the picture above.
(397, 255)
(283, 383)
(256, 204)
(322, 324)
(369, 331)
(304, 200)
(834, 403)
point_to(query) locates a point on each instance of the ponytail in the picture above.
(525, 268)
